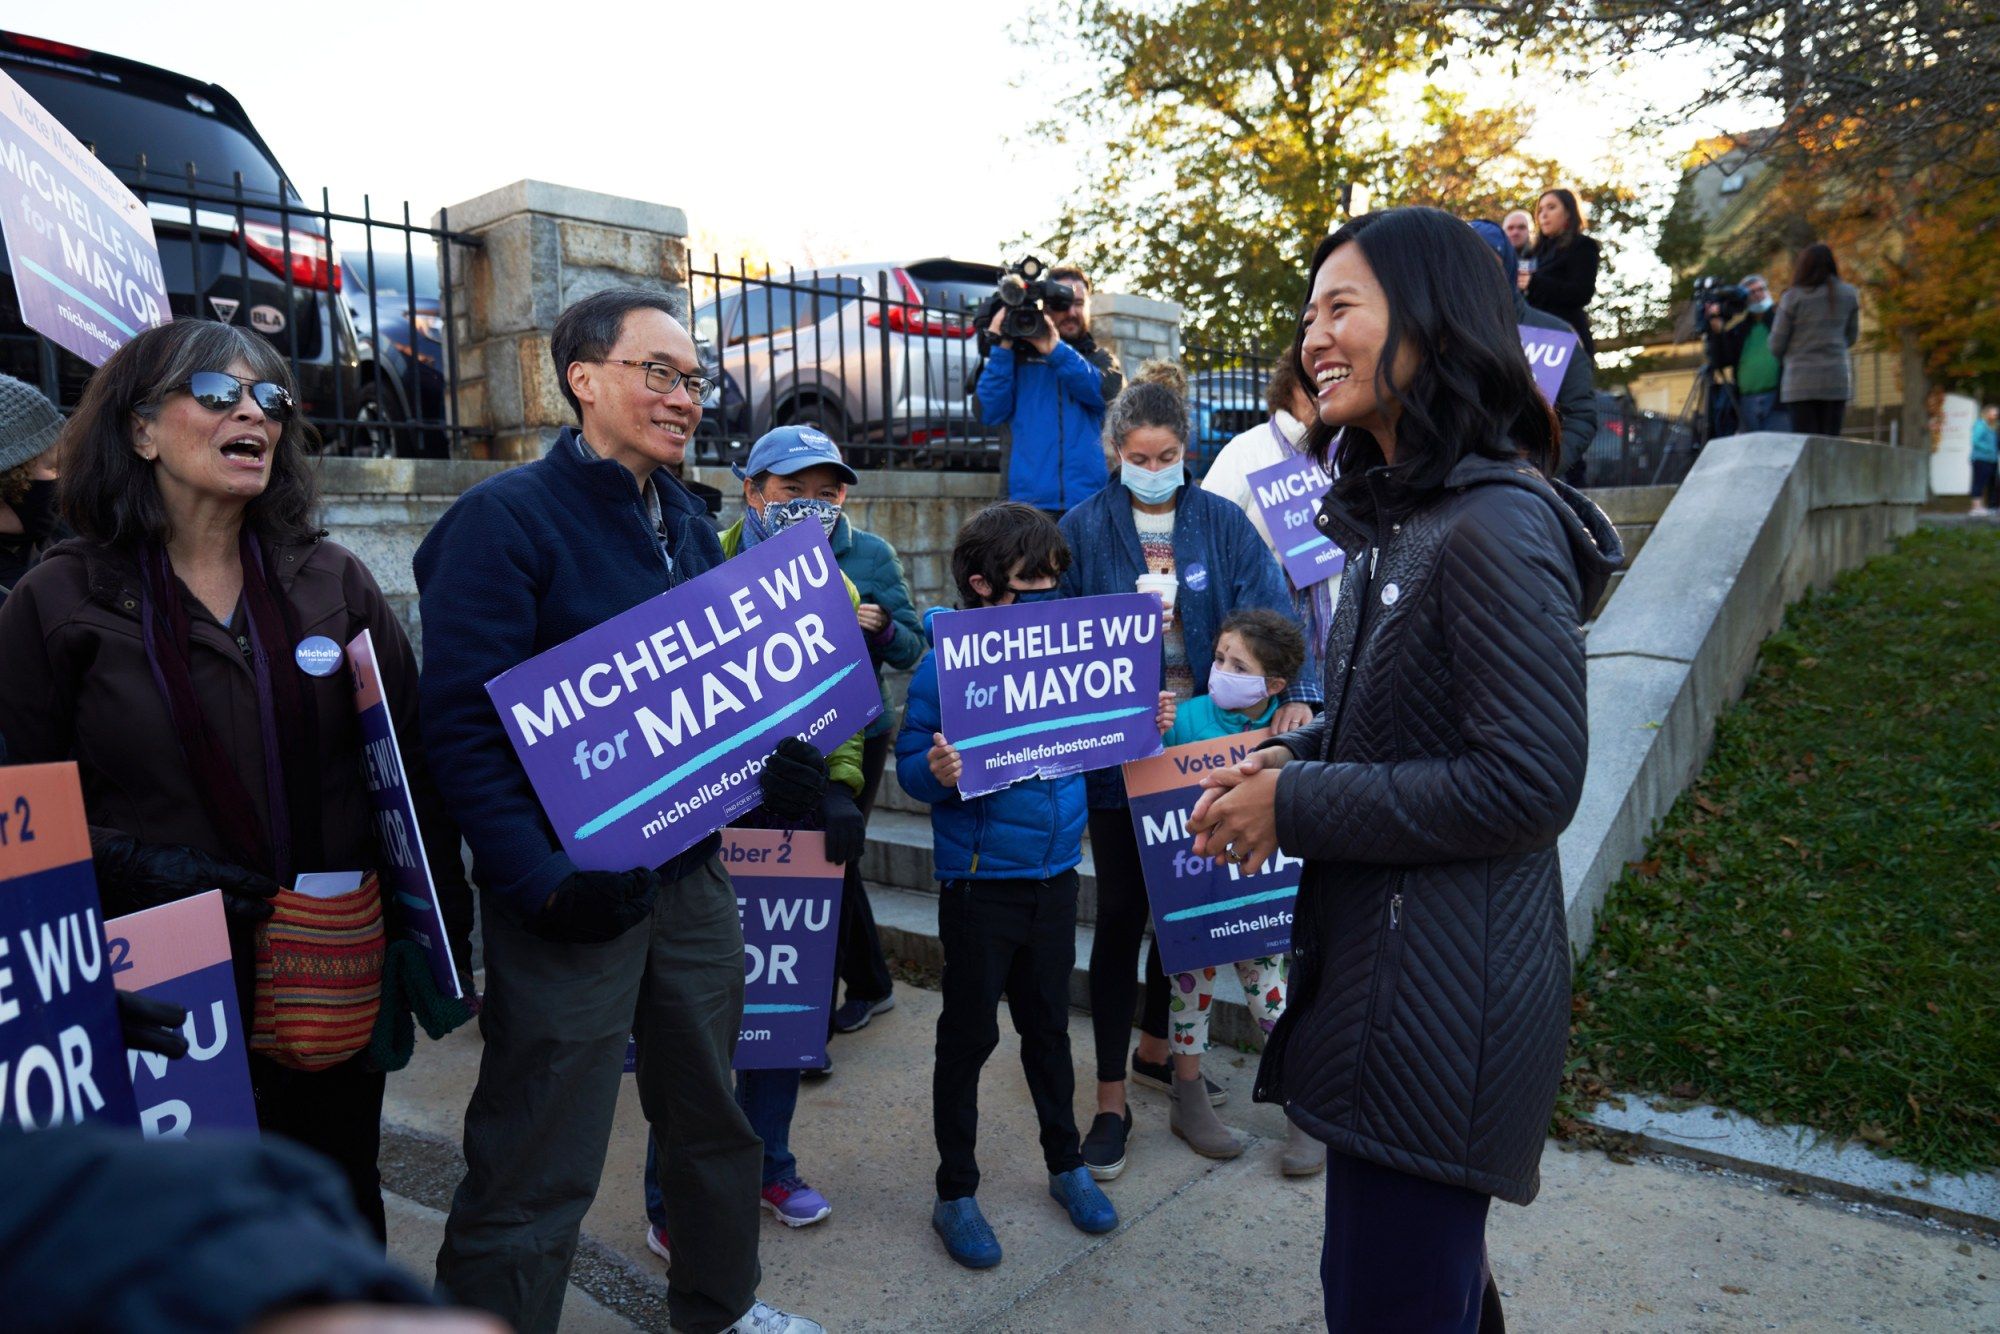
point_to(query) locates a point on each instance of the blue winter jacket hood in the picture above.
(1055, 406)
(1030, 831)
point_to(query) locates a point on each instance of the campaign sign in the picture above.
(1206, 911)
(647, 733)
(86, 269)
(1549, 351)
(788, 895)
(406, 872)
(62, 1053)
(179, 952)
(1287, 495)
(1043, 689)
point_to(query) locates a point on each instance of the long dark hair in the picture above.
(1817, 266)
(110, 495)
(1472, 391)
(1573, 229)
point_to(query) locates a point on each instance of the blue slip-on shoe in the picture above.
(967, 1236)
(1089, 1207)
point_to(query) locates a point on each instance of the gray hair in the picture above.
(589, 329)
(1756, 278)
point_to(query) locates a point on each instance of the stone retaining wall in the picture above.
(1758, 521)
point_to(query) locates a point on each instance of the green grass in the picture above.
(1814, 935)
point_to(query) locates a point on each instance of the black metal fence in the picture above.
(1634, 447)
(359, 304)
(1225, 398)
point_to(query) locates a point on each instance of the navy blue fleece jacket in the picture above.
(521, 563)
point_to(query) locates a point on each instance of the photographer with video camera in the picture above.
(1046, 382)
(1736, 323)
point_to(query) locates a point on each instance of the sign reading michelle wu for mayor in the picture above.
(1043, 689)
(86, 269)
(647, 733)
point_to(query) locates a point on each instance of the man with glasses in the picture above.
(576, 960)
(1742, 347)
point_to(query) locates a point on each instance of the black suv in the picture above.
(236, 242)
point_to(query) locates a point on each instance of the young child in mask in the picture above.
(1257, 654)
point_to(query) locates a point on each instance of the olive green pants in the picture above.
(555, 1020)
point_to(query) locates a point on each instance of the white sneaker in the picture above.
(763, 1318)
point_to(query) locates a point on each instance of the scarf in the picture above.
(286, 714)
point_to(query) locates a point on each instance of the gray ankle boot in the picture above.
(1304, 1156)
(1195, 1121)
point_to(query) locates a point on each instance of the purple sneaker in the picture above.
(795, 1203)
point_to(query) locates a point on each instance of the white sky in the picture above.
(890, 129)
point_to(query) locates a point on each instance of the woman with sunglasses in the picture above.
(185, 651)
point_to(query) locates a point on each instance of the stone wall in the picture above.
(1747, 533)
(1137, 328)
(542, 247)
(380, 510)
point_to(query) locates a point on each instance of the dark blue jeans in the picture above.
(1761, 412)
(1403, 1253)
(768, 1098)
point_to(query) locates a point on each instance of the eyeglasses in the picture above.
(219, 392)
(664, 379)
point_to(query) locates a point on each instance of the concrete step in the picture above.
(899, 854)
(908, 921)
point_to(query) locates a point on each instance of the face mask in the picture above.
(1759, 307)
(1022, 595)
(1235, 691)
(1152, 488)
(778, 517)
(37, 510)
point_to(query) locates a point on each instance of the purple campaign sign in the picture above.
(179, 952)
(1549, 351)
(1043, 689)
(788, 894)
(406, 872)
(1288, 495)
(86, 269)
(62, 1055)
(1206, 911)
(647, 733)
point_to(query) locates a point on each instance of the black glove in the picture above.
(792, 781)
(846, 827)
(591, 907)
(152, 1025)
(132, 875)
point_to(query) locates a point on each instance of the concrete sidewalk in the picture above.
(1644, 1246)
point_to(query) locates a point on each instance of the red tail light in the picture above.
(43, 46)
(912, 318)
(315, 263)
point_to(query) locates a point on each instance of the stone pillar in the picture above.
(542, 247)
(1137, 328)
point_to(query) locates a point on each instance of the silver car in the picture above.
(881, 355)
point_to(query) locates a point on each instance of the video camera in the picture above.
(1715, 299)
(1026, 296)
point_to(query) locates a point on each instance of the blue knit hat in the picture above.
(1494, 235)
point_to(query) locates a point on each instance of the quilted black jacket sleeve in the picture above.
(1513, 692)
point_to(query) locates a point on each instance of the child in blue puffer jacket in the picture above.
(1006, 863)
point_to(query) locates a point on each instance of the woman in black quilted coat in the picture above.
(1430, 1003)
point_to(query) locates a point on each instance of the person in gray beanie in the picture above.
(29, 424)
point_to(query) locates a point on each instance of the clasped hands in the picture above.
(1236, 818)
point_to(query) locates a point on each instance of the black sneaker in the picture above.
(819, 1071)
(1160, 1075)
(1104, 1146)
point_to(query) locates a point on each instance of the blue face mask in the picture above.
(1152, 488)
(778, 516)
(1759, 307)
(1235, 691)
(1036, 595)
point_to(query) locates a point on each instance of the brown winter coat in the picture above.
(75, 684)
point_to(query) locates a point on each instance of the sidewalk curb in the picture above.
(1796, 1156)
